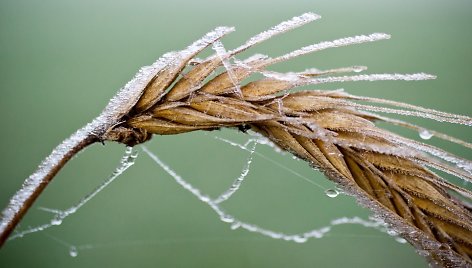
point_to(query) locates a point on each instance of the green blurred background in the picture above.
(60, 62)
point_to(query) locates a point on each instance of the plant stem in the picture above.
(95, 131)
(37, 182)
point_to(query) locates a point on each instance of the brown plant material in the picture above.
(326, 129)
(332, 130)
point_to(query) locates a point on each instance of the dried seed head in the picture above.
(332, 130)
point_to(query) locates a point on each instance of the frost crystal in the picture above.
(118, 106)
(368, 77)
(238, 224)
(128, 96)
(127, 161)
(331, 44)
(278, 29)
(221, 52)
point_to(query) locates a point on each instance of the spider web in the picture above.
(253, 148)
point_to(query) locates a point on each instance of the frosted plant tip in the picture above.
(380, 36)
(420, 76)
(310, 16)
(336, 133)
(223, 30)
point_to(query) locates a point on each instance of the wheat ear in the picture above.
(332, 130)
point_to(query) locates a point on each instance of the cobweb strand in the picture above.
(126, 161)
(239, 180)
(236, 223)
(265, 141)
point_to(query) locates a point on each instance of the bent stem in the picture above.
(329, 129)
(37, 182)
(119, 106)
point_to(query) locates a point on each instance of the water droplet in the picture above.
(235, 225)
(73, 251)
(227, 218)
(392, 232)
(205, 198)
(299, 239)
(56, 221)
(400, 240)
(425, 134)
(332, 193)
(358, 69)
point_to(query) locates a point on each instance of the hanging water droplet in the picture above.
(235, 225)
(73, 251)
(332, 193)
(358, 69)
(56, 221)
(425, 134)
(299, 239)
(226, 218)
(392, 232)
(205, 198)
(400, 240)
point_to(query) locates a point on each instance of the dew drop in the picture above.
(73, 251)
(299, 239)
(392, 232)
(400, 240)
(235, 225)
(358, 69)
(205, 198)
(56, 221)
(287, 238)
(227, 218)
(332, 193)
(425, 134)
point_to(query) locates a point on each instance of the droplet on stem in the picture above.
(425, 134)
(400, 240)
(300, 239)
(358, 69)
(332, 193)
(56, 221)
(235, 225)
(392, 232)
(227, 218)
(73, 251)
